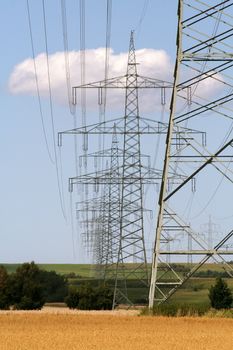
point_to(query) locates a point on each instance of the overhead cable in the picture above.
(106, 65)
(66, 55)
(59, 183)
(142, 16)
(37, 84)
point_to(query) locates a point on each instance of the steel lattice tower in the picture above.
(204, 66)
(132, 245)
(114, 199)
(125, 259)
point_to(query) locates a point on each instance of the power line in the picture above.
(142, 16)
(83, 60)
(60, 185)
(106, 65)
(37, 84)
(66, 55)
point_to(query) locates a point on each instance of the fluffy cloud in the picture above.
(152, 63)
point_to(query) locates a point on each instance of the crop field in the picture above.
(194, 291)
(111, 331)
(83, 270)
(87, 270)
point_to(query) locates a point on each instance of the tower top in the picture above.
(131, 67)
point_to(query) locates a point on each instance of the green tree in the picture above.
(54, 286)
(85, 297)
(72, 298)
(82, 298)
(104, 297)
(4, 289)
(220, 295)
(26, 290)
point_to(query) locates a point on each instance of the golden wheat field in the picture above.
(111, 331)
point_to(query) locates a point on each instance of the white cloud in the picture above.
(152, 63)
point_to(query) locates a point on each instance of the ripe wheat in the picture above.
(39, 330)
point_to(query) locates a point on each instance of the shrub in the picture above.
(28, 303)
(85, 297)
(220, 295)
(72, 299)
(104, 297)
(177, 310)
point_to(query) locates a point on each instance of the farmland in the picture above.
(86, 270)
(194, 291)
(83, 270)
(75, 330)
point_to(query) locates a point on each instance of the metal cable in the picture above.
(66, 55)
(37, 84)
(106, 67)
(142, 16)
(60, 185)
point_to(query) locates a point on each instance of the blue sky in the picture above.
(32, 226)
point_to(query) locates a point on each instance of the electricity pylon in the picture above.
(132, 241)
(203, 66)
(132, 174)
(106, 211)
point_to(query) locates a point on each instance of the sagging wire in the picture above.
(82, 19)
(37, 84)
(83, 62)
(66, 55)
(142, 16)
(73, 111)
(151, 224)
(106, 65)
(103, 93)
(59, 184)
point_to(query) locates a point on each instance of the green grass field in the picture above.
(83, 270)
(194, 291)
(87, 270)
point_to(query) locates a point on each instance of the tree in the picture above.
(87, 297)
(82, 298)
(72, 298)
(104, 297)
(26, 290)
(54, 286)
(220, 295)
(4, 289)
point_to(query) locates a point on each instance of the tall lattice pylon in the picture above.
(129, 265)
(132, 244)
(204, 67)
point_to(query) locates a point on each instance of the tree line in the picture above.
(30, 287)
